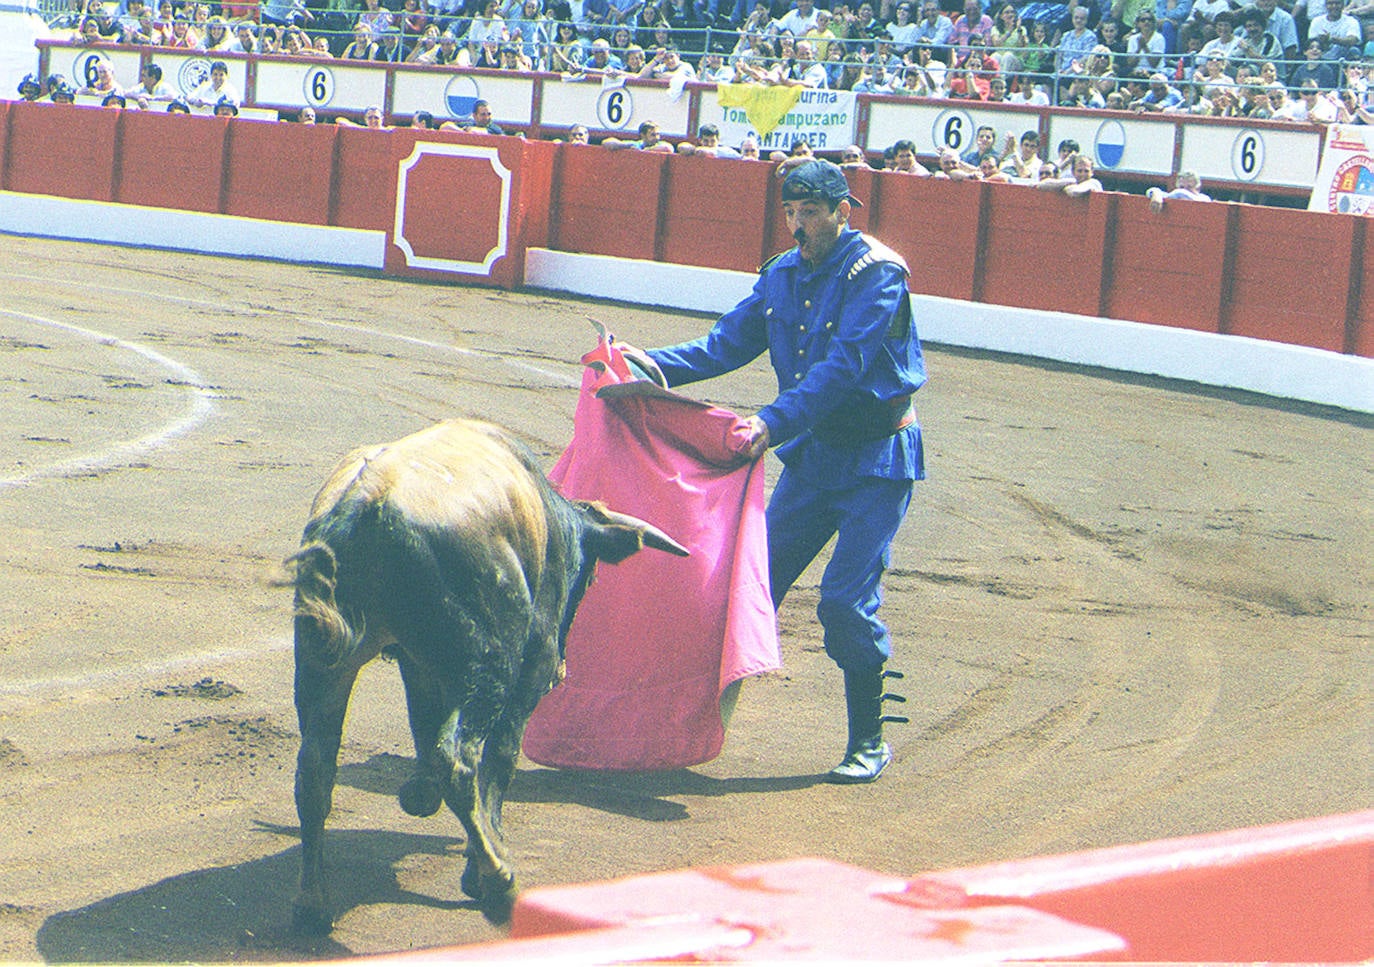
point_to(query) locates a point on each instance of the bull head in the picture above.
(612, 537)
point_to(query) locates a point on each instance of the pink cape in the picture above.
(659, 640)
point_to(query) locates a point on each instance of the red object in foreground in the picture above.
(1293, 892)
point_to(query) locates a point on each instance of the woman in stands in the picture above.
(1037, 59)
(425, 44)
(1009, 37)
(621, 39)
(647, 20)
(414, 20)
(217, 37)
(567, 52)
(362, 46)
(183, 36)
(375, 17)
(490, 26)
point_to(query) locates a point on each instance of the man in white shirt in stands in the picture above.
(807, 72)
(799, 19)
(208, 94)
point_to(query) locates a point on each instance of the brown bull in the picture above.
(452, 550)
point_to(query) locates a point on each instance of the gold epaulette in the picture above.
(773, 259)
(877, 252)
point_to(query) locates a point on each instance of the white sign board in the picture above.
(826, 119)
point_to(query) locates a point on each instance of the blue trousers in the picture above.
(863, 518)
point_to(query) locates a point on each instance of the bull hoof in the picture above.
(471, 881)
(495, 893)
(498, 897)
(421, 796)
(310, 920)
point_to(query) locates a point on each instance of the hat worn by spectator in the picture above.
(226, 103)
(179, 106)
(815, 180)
(30, 83)
(63, 93)
(114, 97)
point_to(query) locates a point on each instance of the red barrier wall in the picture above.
(275, 171)
(1044, 250)
(1292, 277)
(364, 170)
(1271, 273)
(713, 214)
(608, 202)
(171, 161)
(1296, 892)
(451, 188)
(935, 225)
(58, 149)
(1359, 328)
(4, 140)
(1168, 267)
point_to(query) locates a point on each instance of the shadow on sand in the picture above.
(240, 912)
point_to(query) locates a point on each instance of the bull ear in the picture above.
(612, 536)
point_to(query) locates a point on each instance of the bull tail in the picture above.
(323, 634)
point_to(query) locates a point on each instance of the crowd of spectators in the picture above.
(1299, 60)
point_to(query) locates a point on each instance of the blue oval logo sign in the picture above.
(1110, 144)
(461, 96)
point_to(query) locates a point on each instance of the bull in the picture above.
(450, 549)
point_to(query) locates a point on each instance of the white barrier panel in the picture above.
(447, 95)
(1252, 154)
(323, 84)
(828, 120)
(610, 104)
(79, 64)
(184, 72)
(92, 221)
(943, 124)
(1119, 143)
(1235, 362)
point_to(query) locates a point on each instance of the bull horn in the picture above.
(651, 535)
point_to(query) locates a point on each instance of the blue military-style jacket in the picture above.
(846, 354)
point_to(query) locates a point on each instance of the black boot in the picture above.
(866, 755)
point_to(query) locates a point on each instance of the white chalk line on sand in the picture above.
(199, 409)
(202, 405)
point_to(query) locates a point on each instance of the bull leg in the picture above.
(423, 793)
(500, 755)
(321, 701)
(486, 876)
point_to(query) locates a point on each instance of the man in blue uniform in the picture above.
(835, 317)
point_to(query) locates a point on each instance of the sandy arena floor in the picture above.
(1126, 608)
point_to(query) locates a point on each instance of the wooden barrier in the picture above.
(41, 155)
(707, 223)
(170, 161)
(1169, 267)
(1043, 250)
(467, 205)
(1291, 277)
(1294, 892)
(4, 141)
(608, 202)
(274, 171)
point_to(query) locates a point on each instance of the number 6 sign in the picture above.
(1247, 155)
(318, 87)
